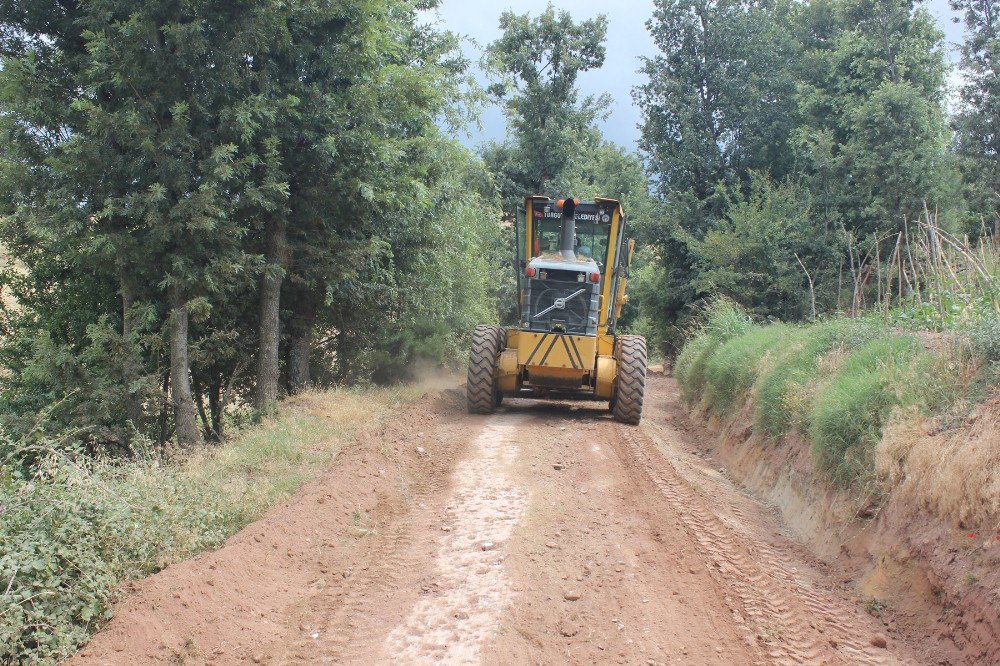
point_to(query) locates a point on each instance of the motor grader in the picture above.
(572, 269)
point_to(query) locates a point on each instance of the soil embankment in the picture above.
(920, 561)
(543, 534)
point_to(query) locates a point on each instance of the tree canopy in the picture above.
(214, 203)
(802, 130)
(208, 206)
(535, 65)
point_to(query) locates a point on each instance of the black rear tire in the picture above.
(481, 389)
(630, 385)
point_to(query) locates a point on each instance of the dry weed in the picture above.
(831, 361)
(955, 473)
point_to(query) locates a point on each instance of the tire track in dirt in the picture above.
(300, 585)
(793, 621)
(344, 625)
(603, 572)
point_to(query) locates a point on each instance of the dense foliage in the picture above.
(534, 66)
(206, 204)
(794, 146)
(978, 120)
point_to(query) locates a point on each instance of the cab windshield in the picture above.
(591, 239)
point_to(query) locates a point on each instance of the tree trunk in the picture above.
(164, 411)
(131, 366)
(268, 367)
(217, 408)
(340, 356)
(301, 333)
(298, 362)
(185, 413)
(206, 424)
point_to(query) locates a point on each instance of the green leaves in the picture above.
(750, 254)
(875, 92)
(837, 104)
(152, 148)
(720, 96)
(534, 66)
(977, 121)
(545, 54)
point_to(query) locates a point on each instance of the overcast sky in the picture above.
(628, 40)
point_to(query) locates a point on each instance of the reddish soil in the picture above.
(922, 574)
(543, 534)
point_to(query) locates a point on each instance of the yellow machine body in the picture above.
(544, 362)
(558, 361)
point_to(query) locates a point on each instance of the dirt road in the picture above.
(543, 534)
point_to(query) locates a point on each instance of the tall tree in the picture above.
(173, 82)
(53, 184)
(194, 190)
(360, 151)
(978, 120)
(143, 179)
(719, 100)
(307, 74)
(535, 65)
(873, 135)
(838, 104)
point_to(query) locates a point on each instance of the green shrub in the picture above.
(61, 559)
(733, 368)
(846, 423)
(726, 320)
(985, 337)
(837, 381)
(850, 408)
(946, 383)
(76, 528)
(721, 321)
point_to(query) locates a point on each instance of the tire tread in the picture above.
(481, 391)
(630, 385)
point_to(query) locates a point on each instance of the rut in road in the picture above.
(546, 533)
(792, 620)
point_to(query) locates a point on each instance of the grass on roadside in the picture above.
(722, 321)
(731, 369)
(75, 529)
(837, 381)
(850, 407)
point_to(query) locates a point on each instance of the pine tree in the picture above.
(141, 184)
(364, 188)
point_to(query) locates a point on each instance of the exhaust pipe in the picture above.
(567, 239)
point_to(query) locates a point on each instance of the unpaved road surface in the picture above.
(543, 534)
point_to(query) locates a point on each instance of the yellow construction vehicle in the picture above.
(572, 268)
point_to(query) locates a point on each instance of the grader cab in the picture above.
(573, 268)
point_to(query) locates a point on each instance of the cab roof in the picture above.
(603, 200)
